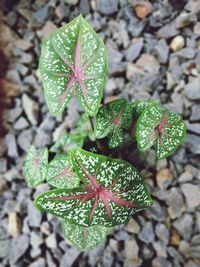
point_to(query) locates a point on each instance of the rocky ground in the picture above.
(154, 53)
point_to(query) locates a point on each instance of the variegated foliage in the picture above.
(112, 119)
(112, 191)
(73, 62)
(139, 106)
(84, 127)
(35, 166)
(85, 238)
(61, 175)
(162, 128)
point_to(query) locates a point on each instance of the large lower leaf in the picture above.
(159, 126)
(85, 238)
(61, 175)
(112, 191)
(73, 62)
(112, 119)
(35, 166)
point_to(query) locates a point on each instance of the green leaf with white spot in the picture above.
(162, 128)
(66, 143)
(85, 238)
(112, 119)
(73, 62)
(35, 166)
(112, 191)
(139, 106)
(84, 127)
(61, 175)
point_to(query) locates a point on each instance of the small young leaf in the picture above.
(84, 127)
(35, 166)
(67, 142)
(139, 106)
(61, 175)
(112, 191)
(159, 126)
(112, 119)
(73, 62)
(85, 238)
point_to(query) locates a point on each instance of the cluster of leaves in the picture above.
(93, 192)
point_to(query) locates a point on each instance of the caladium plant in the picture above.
(92, 192)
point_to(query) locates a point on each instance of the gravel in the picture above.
(153, 49)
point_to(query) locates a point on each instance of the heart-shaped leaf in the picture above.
(159, 126)
(140, 105)
(112, 191)
(61, 175)
(84, 127)
(35, 166)
(73, 62)
(85, 238)
(112, 119)
(67, 142)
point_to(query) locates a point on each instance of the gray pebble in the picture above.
(21, 124)
(70, 256)
(107, 7)
(195, 113)
(192, 194)
(40, 262)
(168, 31)
(36, 239)
(161, 262)
(162, 232)
(18, 247)
(147, 233)
(184, 225)
(134, 49)
(192, 90)
(162, 51)
(147, 252)
(175, 202)
(4, 248)
(34, 215)
(11, 146)
(3, 165)
(25, 139)
(193, 127)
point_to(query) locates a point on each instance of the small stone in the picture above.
(110, 86)
(13, 114)
(186, 53)
(35, 252)
(174, 238)
(131, 249)
(50, 261)
(14, 224)
(48, 28)
(189, 251)
(70, 256)
(51, 241)
(161, 262)
(84, 7)
(147, 252)
(23, 44)
(62, 10)
(42, 13)
(195, 113)
(185, 177)
(143, 9)
(3, 186)
(162, 232)
(175, 202)
(71, 2)
(185, 19)
(156, 211)
(177, 43)
(114, 244)
(107, 7)
(192, 142)
(21, 124)
(162, 51)
(4, 248)
(34, 216)
(133, 226)
(134, 49)
(164, 178)
(11, 146)
(148, 62)
(107, 257)
(192, 194)
(193, 127)
(18, 248)
(3, 165)
(197, 28)
(168, 31)
(160, 249)
(147, 234)
(31, 109)
(11, 18)
(192, 89)
(40, 262)
(36, 239)
(184, 226)
(26, 58)
(25, 139)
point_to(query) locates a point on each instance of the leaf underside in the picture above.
(112, 191)
(112, 119)
(85, 238)
(73, 62)
(162, 128)
(61, 175)
(35, 166)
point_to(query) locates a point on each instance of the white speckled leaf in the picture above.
(159, 126)
(67, 142)
(61, 175)
(139, 106)
(35, 166)
(84, 127)
(112, 191)
(85, 238)
(73, 62)
(112, 119)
